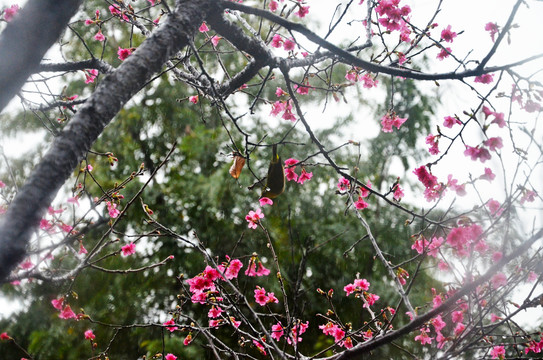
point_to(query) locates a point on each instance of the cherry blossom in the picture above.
(203, 27)
(265, 201)
(10, 12)
(447, 34)
(497, 352)
(493, 29)
(253, 218)
(89, 335)
(67, 313)
(170, 325)
(277, 331)
(170, 357)
(484, 79)
(193, 99)
(128, 249)
(389, 120)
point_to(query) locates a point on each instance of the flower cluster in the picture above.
(355, 75)
(391, 119)
(392, 17)
(433, 188)
(291, 175)
(253, 218)
(262, 298)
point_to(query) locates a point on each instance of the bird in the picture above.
(275, 181)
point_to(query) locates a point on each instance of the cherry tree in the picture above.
(266, 59)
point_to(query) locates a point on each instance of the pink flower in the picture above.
(214, 312)
(494, 207)
(438, 323)
(170, 325)
(494, 143)
(457, 316)
(2, 185)
(128, 249)
(265, 201)
(273, 5)
(499, 280)
(343, 184)
(304, 176)
(188, 338)
(302, 11)
(450, 121)
(262, 298)
(57, 303)
(203, 27)
(260, 347)
(255, 269)
(370, 299)
(194, 99)
(277, 331)
(233, 269)
(289, 45)
(5, 336)
(277, 41)
(215, 40)
(290, 174)
(369, 82)
(99, 36)
(112, 210)
(494, 318)
(360, 204)
(492, 27)
(447, 34)
(90, 76)
(498, 352)
(532, 276)
(423, 337)
(528, 196)
(488, 175)
(253, 218)
(389, 120)
(124, 53)
(459, 329)
(398, 193)
(82, 249)
(444, 53)
(298, 329)
(497, 256)
(73, 200)
(10, 12)
(67, 313)
(89, 335)
(484, 79)
(170, 357)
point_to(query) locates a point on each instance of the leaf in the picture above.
(235, 169)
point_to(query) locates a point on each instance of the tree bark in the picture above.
(26, 39)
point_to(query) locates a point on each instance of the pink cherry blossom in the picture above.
(99, 36)
(256, 269)
(398, 193)
(304, 176)
(499, 280)
(203, 27)
(170, 325)
(277, 41)
(497, 352)
(214, 312)
(459, 329)
(277, 331)
(343, 184)
(302, 11)
(128, 249)
(215, 40)
(450, 121)
(67, 313)
(170, 357)
(423, 336)
(447, 34)
(493, 29)
(488, 175)
(494, 318)
(124, 53)
(273, 5)
(438, 323)
(89, 335)
(389, 120)
(90, 76)
(193, 99)
(5, 336)
(10, 12)
(57, 303)
(444, 53)
(457, 316)
(112, 210)
(360, 204)
(484, 79)
(289, 44)
(253, 218)
(265, 201)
